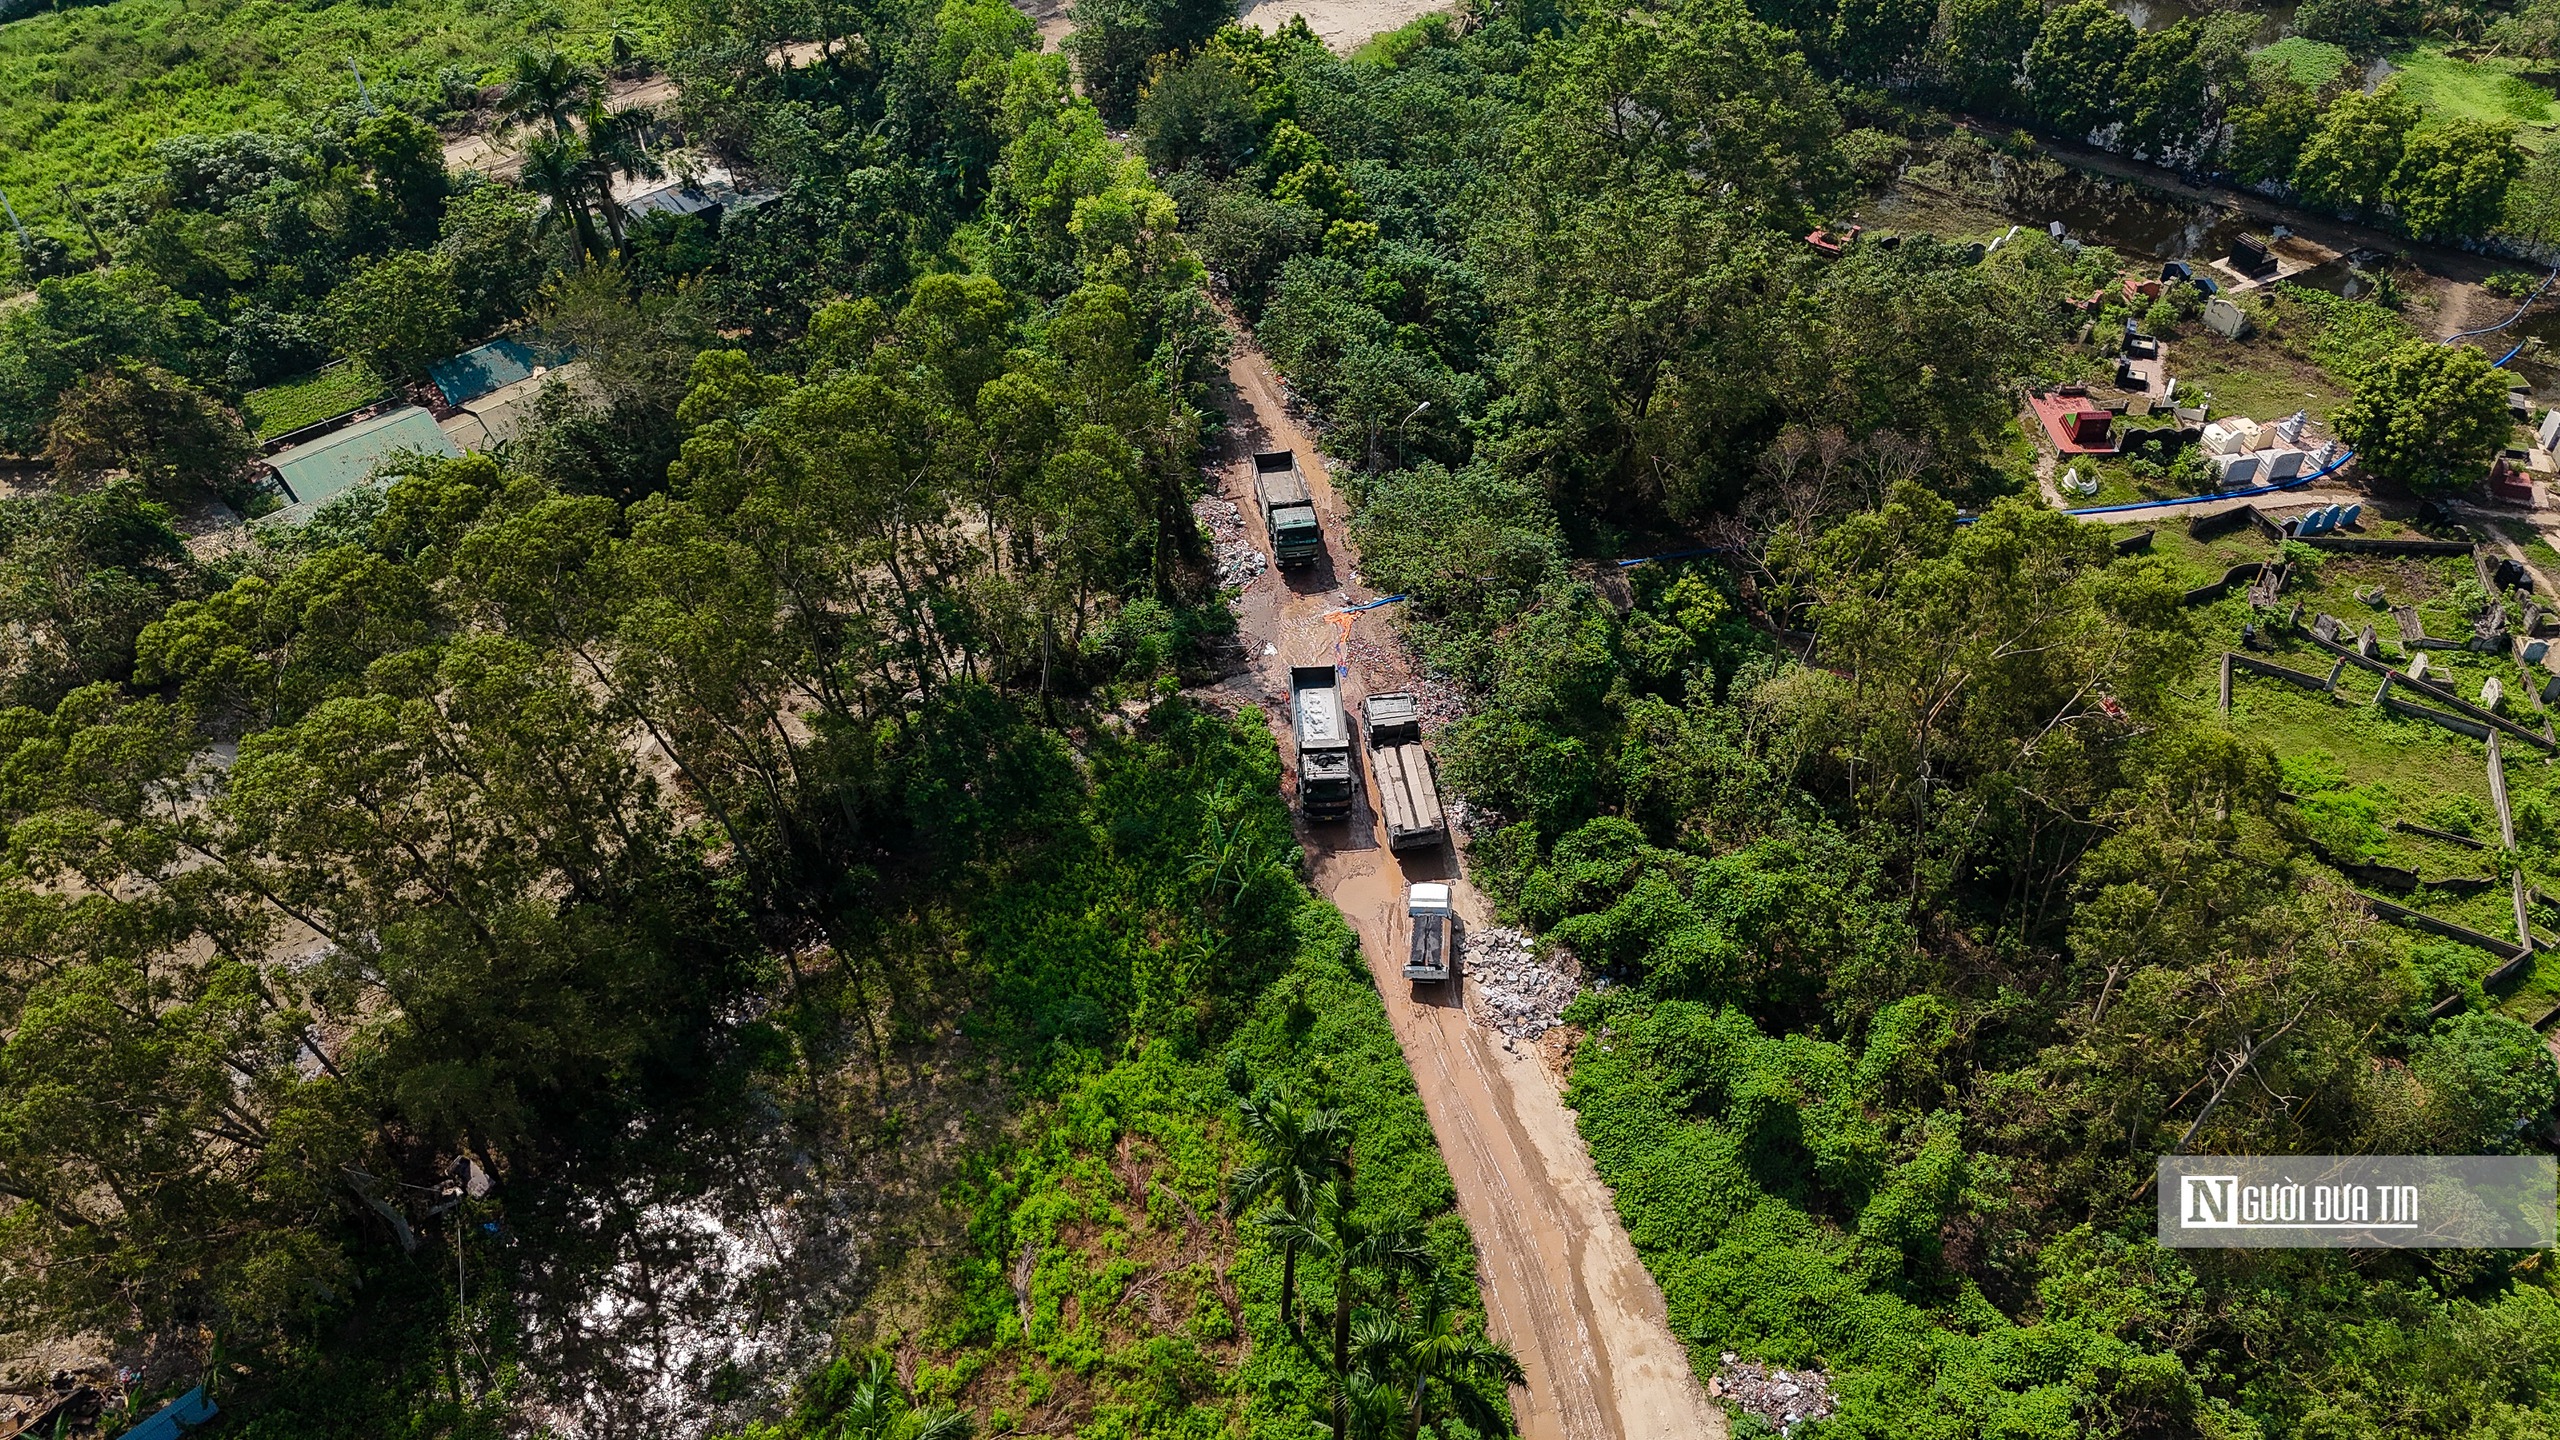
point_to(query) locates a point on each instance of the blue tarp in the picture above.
(475, 373)
(192, 1408)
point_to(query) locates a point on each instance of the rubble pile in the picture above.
(1784, 1398)
(1510, 987)
(1239, 562)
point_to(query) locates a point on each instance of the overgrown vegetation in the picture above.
(1917, 955)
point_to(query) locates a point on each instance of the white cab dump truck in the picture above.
(1434, 931)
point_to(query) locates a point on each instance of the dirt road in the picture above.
(1562, 1284)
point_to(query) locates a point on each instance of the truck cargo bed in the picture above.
(1409, 798)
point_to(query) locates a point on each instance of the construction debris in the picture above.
(1511, 987)
(1238, 562)
(1784, 1398)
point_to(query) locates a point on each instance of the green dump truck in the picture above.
(1288, 511)
(1324, 743)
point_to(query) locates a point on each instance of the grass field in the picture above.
(2313, 63)
(2488, 89)
(85, 93)
(309, 399)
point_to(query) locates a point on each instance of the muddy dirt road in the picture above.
(1562, 1285)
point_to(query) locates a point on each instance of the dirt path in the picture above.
(1562, 1284)
(503, 160)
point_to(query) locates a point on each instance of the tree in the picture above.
(1441, 1365)
(559, 171)
(2452, 179)
(1201, 112)
(397, 315)
(2270, 129)
(488, 234)
(2351, 158)
(2076, 66)
(1982, 46)
(618, 149)
(138, 418)
(1353, 1245)
(406, 160)
(545, 89)
(1114, 42)
(82, 573)
(2428, 416)
(1873, 40)
(2163, 91)
(1303, 1150)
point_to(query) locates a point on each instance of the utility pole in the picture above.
(73, 201)
(361, 92)
(15, 223)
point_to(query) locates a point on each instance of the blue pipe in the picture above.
(2295, 483)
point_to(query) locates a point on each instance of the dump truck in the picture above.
(1434, 931)
(1288, 512)
(1394, 717)
(1408, 797)
(1324, 743)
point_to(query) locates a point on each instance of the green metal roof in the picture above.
(317, 472)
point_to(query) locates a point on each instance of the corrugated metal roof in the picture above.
(317, 472)
(475, 373)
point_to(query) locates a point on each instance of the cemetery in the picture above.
(2406, 671)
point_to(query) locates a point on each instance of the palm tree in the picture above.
(1352, 1245)
(559, 170)
(618, 146)
(1305, 1151)
(1439, 1360)
(544, 88)
(876, 1409)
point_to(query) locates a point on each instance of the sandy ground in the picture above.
(1562, 1284)
(1341, 24)
(500, 159)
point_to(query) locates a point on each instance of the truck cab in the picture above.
(1288, 510)
(1435, 926)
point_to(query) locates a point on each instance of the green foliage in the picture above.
(2268, 134)
(2350, 160)
(87, 92)
(2427, 415)
(1985, 41)
(2453, 177)
(147, 423)
(292, 404)
(2076, 65)
(2308, 63)
(1114, 42)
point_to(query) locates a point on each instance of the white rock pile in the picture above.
(1784, 1398)
(1239, 562)
(1510, 988)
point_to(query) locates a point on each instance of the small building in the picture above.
(316, 473)
(2252, 256)
(500, 416)
(2510, 486)
(2075, 423)
(475, 373)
